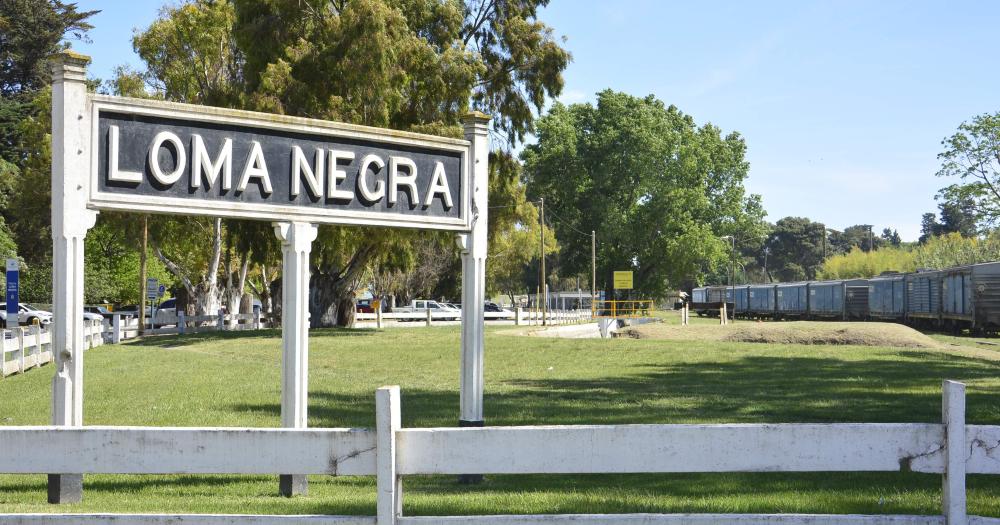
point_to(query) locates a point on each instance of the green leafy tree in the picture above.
(891, 237)
(795, 248)
(30, 32)
(412, 64)
(972, 155)
(658, 189)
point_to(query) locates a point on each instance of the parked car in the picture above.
(99, 310)
(27, 314)
(91, 316)
(418, 306)
(492, 307)
(364, 307)
(166, 312)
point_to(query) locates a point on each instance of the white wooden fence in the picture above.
(122, 327)
(519, 316)
(29, 346)
(950, 448)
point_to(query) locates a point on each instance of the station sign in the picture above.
(163, 157)
(152, 288)
(623, 280)
(13, 293)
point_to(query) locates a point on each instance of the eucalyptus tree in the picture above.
(658, 189)
(415, 65)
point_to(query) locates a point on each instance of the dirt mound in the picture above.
(798, 332)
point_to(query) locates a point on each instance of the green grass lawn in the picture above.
(233, 380)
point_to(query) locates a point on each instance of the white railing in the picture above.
(518, 317)
(27, 347)
(122, 327)
(390, 452)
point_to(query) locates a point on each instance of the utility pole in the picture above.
(767, 276)
(824, 242)
(142, 275)
(541, 255)
(593, 271)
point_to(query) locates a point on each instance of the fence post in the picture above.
(389, 498)
(37, 330)
(953, 482)
(256, 319)
(116, 326)
(378, 317)
(181, 322)
(222, 320)
(428, 316)
(20, 347)
(517, 316)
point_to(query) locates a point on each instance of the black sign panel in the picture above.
(287, 169)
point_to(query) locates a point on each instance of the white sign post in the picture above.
(113, 153)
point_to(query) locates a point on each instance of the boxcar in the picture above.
(717, 294)
(856, 302)
(791, 299)
(741, 301)
(923, 295)
(838, 299)
(887, 297)
(761, 300)
(706, 295)
(970, 296)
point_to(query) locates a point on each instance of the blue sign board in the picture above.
(13, 289)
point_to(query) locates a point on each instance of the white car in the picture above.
(27, 314)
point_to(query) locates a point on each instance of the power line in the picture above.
(567, 225)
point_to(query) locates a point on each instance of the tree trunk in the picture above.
(328, 296)
(331, 291)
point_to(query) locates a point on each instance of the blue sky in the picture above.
(843, 104)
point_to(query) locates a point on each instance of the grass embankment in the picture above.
(794, 332)
(233, 380)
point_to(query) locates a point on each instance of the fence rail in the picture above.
(390, 452)
(518, 316)
(27, 347)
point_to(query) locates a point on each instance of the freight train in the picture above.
(959, 298)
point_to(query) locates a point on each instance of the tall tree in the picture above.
(658, 189)
(929, 227)
(30, 32)
(796, 249)
(958, 216)
(406, 64)
(891, 237)
(972, 155)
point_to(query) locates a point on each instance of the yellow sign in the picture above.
(623, 280)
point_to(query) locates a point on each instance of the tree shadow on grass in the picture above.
(174, 341)
(752, 389)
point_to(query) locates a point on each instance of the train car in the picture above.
(703, 296)
(791, 300)
(838, 299)
(717, 294)
(760, 299)
(970, 297)
(856, 302)
(739, 297)
(923, 296)
(887, 297)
